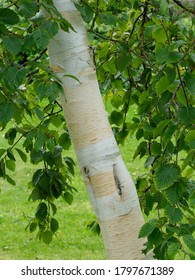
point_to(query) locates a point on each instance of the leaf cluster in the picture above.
(145, 60)
(31, 116)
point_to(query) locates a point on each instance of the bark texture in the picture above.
(109, 185)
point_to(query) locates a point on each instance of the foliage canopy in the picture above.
(145, 58)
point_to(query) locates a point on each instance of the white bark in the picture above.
(109, 185)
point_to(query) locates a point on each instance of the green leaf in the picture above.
(65, 25)
(28, 9)
(159, 130)
(116, 118)
(64, 141)
(41, 38)
(22, 155)
(68, 197)
(172, 250)
(52, 28)
(86, 11)
(46, 236)
(40, 141)
(189, 79)
(3, 29)
(162, 54)
(189, 241)
(8, 16)
(12, 44)
(108, 19)
(36, 177)
(41, 212)
(174, 214)
(159, 34)
(10, 164)
(174, 193)
(187, 114)
(149, 161)
(123, 61)
(33, 225)
(10, 180)
(6, 113)
(2, 151)
(166, 175)
(50, 90)
(162, 85)
(156, 148)
(174, 57)
(16, 75)
(54, 225)
(147, 228)
(169, 132)
(110, 66)
(10, 154)
(190, 138)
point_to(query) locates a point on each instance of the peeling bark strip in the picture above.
(109, 185)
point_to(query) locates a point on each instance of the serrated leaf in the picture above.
(174, 214)
(6, 113)
(166, 175)
(41, 212)
(108, 19)
(28, 9)
(52, 28)
(16, 76)
(174, 193)
(162, 85)
(50, 90)
(41, 38)
(53, 90)
(147, 228)
(189, 241)
(12, 44)
(172, 250)
(8, 16)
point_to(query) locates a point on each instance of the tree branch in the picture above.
(190, 10)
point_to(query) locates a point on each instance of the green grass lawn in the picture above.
(73, 239)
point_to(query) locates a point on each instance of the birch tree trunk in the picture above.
(108, 183)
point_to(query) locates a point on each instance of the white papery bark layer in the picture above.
(109, 185)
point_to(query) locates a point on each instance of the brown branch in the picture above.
(189, 10)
